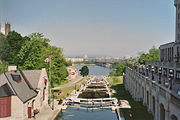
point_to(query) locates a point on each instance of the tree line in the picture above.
(120, 66)
(29, 53)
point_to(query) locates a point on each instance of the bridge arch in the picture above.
(174, 117)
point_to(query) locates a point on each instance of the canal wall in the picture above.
(160, 101)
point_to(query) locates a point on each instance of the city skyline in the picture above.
(107, 28)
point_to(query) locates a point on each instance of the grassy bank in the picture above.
(65, 92)
(138, 111)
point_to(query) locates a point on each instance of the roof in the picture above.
(5, 91)
(22, 88)
(32, 77)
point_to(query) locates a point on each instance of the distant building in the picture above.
(22, 93)
(7, 28)
(73, 60)
(85, 58)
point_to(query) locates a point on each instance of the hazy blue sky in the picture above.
(94, 27)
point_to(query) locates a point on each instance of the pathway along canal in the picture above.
(89, 114)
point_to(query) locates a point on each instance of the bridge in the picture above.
(105, 62)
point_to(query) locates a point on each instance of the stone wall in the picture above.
(160, 101)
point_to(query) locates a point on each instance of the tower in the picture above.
(7, 28)
(0, 27)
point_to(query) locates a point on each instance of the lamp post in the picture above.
(147, 71)
(171, 75)
(152, 69)
(160, 72)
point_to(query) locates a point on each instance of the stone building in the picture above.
(7, 28)
(22, 93)
(157, 84)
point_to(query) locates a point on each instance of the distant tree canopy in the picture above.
(153, 55)
(29, 53)
(118, 68)
(84, 71)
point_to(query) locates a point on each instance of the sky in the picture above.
(94, 27)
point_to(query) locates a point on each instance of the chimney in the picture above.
(12, 67)
(7, 28)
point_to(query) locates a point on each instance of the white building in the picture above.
(22, 93)
(157, 84)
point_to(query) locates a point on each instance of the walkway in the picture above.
(47, 114)
(69, 84)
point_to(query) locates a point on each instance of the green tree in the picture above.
(118, 68)
(84, 71)
(29, 53)
(152, 55)
(3, 48)
(10, 46)
(3, 67)
(36, 50)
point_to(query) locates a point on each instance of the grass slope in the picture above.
(138, 111)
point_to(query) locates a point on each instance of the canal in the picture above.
(89, 114)
(96, 70)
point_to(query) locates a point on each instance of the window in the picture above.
(5, 107)
(178, 6)
(177, 54)
(44, 94)
(178, 75)
(33, 104)
(172, 53)
(178, 16)
(45, 81)
(178, 36)
(178, 25)
(16, 78)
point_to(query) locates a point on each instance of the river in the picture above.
(96, 70)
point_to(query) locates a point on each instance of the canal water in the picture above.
(88, 114)
(96, 70)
